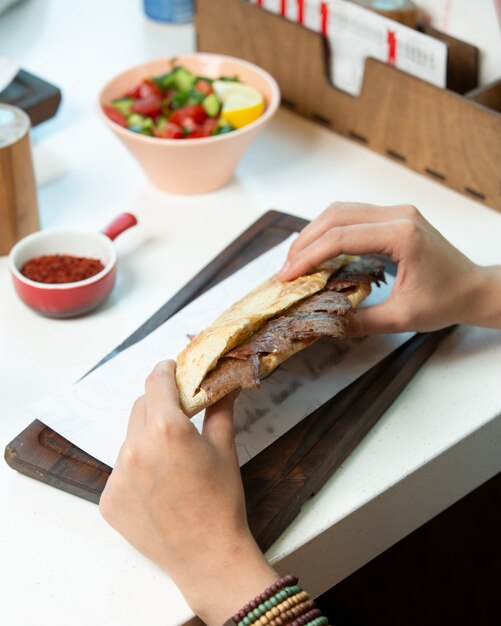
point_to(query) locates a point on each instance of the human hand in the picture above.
(436, 285)
(177, 496)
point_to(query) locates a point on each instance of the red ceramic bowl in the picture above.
(68, 299)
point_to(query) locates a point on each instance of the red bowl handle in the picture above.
(119, 224)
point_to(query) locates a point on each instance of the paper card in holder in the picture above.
(448, 138)
(354, 34)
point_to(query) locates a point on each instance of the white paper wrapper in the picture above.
(93, 413)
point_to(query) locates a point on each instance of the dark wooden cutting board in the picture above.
(283, 476)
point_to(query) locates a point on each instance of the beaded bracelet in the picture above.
(318, 621)
(291, 614)
(288, 606)
(279, 598)
(282, 604)
(307, 617)
(286, 581)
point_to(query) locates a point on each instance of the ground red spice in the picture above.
(60, 268)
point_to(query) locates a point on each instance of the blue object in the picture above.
(171, 11)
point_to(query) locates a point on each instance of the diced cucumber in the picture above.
(140, 124)
(179, 100)
(179, 78)
(165, 81)
(211, 105)
(230, 79)
(161, 122)
(223, 127)
(122, 105)
(141, 131)
(184, 80)
(195, 97)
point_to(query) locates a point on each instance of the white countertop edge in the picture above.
(387, 518)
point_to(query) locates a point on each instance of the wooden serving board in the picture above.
(283, 476)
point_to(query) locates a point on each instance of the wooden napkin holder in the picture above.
(451, 135)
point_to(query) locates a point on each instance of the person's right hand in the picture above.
(436, 285)
(176, 495)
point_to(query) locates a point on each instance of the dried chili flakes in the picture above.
(60, 268)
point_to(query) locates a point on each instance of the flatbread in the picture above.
(243, 319)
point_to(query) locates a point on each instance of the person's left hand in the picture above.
(177, 496)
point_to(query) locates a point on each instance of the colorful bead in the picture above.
(284, 599)
(272, 590)
(318, 621)
(281, 604)
(307, 617)
(288, 616)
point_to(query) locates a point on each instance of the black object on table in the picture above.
(38, 98)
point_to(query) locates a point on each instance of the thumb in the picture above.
(373, 320)
(218, 423)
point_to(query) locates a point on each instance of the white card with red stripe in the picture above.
(355, 33)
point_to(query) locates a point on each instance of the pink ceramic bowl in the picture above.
(195, 165)
(68, 299)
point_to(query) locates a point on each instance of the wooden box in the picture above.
(452, 135)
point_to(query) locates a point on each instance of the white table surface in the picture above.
(59, 562)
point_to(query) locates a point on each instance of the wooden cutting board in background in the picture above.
(283, 476)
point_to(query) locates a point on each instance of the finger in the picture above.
(218, 423)
(355, 239)
(375, 320)
(137, 419)
(161, 395)
(342, 214)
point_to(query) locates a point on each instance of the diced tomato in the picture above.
(169, 131)
(196, 134)
(151, 106)
(115, 116)
(194, 111)
(134, 93)
(149, 88)
(190, 125)
(203, 130)
(203, 86)
(210, 125)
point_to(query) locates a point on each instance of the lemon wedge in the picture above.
(242, 104)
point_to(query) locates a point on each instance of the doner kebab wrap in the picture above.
(270, 324)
